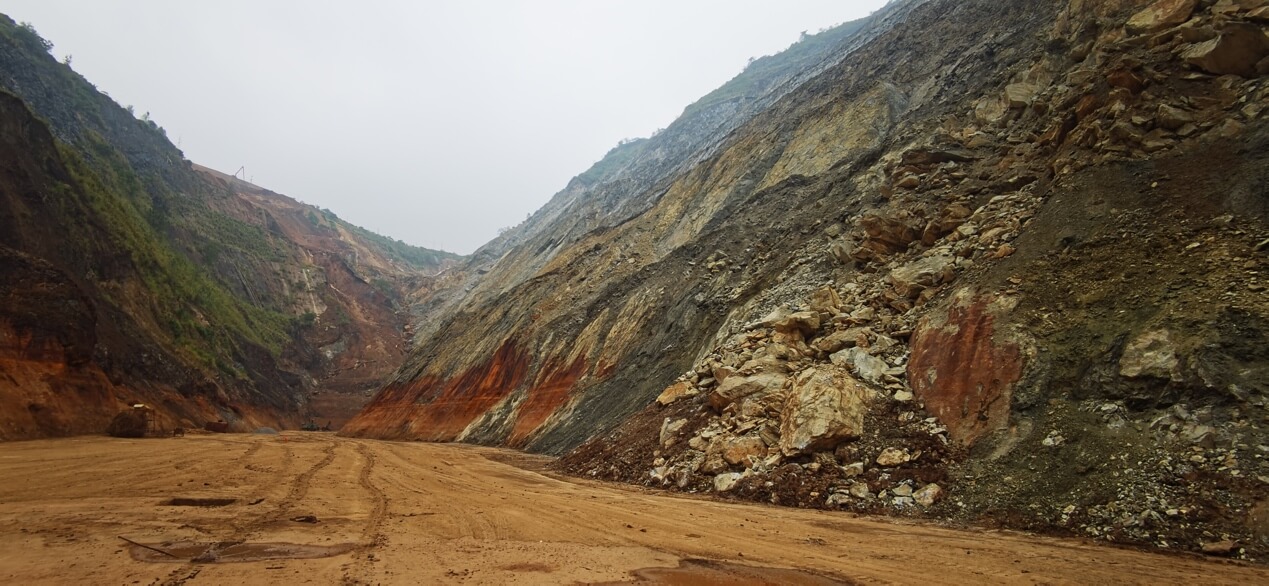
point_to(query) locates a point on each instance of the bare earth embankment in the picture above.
(410, 513)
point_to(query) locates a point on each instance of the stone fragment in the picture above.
(1160, 15)
(726, 481)
(671, 427)
(698, 443)
(909, 181)
(806, 322)
(837, 499)
(1219, 547)
(1172, 118)
(860, 490)
(674, 392)
(891, 457)
(825, 407)
(1019, 95)
(863, 364)
(928, 494)
(1151, 354)
(838, 340)
(744, 451)
(1237, 50)
(825, 300)
(910, 279)
(902, 490)
(738, 387)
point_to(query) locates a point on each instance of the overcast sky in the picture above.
(433, 122)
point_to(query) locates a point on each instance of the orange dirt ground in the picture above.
(413, 513)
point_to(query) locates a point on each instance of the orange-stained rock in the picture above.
(962, 370)
(431, 409)
(548, 395)
(674, 392)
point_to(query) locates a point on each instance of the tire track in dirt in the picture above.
(301, 484)
(371, 535)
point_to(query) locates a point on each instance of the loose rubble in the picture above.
(814, 404)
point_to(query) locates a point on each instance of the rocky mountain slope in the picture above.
(998, 262)
(132, 275)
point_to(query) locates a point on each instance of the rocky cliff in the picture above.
(1001, 262)
(132, 275)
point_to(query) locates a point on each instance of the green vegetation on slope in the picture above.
(199, 315)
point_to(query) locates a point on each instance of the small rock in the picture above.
(1223, 547)
(860, 490)
(837, 499)
(928, 495)
(902, 490)
(670, 428)
(726, 481)
(891, 457)
(1173, 118)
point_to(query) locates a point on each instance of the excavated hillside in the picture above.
(1000, 262)
(131, 275)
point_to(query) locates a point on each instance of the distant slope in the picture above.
(135, 276)
(544, 341)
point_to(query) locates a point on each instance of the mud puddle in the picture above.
(692, 572)
(211, 553)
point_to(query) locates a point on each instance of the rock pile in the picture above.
(867, 390)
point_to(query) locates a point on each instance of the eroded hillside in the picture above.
(134, 276)
(998, 261)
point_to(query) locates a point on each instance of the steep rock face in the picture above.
(616, 276)
(134, 276)
(1050, 268)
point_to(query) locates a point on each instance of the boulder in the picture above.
(1160, 15)
(806, 322)
(826, 406)
(1151, 354)
(726, 481)
(1020, 95)
(863, 364)
(971, 402)
(927, 495)
(674, 392)
(909, 280)
(887, 234)
(737, 387)
(838, 340)
(891, 457)
(669, 428)
(825, 300)
(1237, 50)
(744, 451)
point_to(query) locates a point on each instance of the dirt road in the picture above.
(408, 513)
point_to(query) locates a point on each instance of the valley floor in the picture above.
(412, 513)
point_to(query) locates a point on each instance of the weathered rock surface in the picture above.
(737, 387)
(825, 407)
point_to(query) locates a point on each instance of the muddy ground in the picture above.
(244, 509)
